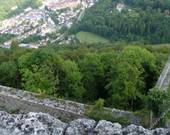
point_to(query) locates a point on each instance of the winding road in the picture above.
(163, 84)
(164, 79)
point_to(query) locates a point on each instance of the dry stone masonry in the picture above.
(14, 100)
(44, 124)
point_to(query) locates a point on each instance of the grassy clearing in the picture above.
(89, 38)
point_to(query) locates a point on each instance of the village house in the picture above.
(120, 6)
(61, 4)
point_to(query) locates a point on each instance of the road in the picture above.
(163, 84)
(164, 79)
(81, 14)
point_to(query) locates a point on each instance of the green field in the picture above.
(89, 38)
(6, 5)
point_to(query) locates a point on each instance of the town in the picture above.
(40, 22)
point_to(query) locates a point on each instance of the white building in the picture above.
(120, 7)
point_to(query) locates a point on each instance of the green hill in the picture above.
(145, 21)
(7, 5)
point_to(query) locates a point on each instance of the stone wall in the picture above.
(43, 124)
(13, 100)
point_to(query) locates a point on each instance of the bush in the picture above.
(158, 101)
(97, 112)
(144, 116)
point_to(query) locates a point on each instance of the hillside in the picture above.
(9, 8)
(144, 21)
(37, 23)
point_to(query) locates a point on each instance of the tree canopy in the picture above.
(121, 75)
(145, 21)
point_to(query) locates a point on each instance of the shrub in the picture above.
(144, 116)
(97, 112)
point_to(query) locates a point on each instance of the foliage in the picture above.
(32, 38)
(99, 104)
(49, 73)
(92, 70)
(97, 112)
(8, 72)
(121, 75)
(69, 76)
(144, 21)
(5, 37)
(144, 115)
(133, 68)
(168, 116)
(158, 101)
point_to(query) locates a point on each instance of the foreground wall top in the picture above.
(27, 101)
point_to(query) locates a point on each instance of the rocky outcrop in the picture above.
(136, 130)
(161, 131)
(81, 127)
(30, 124)
(108, 128)
(44, 124)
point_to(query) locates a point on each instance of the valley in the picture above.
(48, 19)
(83, 62)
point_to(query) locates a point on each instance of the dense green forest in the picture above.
(121, 75)
(144, 21)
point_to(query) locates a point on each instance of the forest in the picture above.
(142, 21)
(120, 75)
